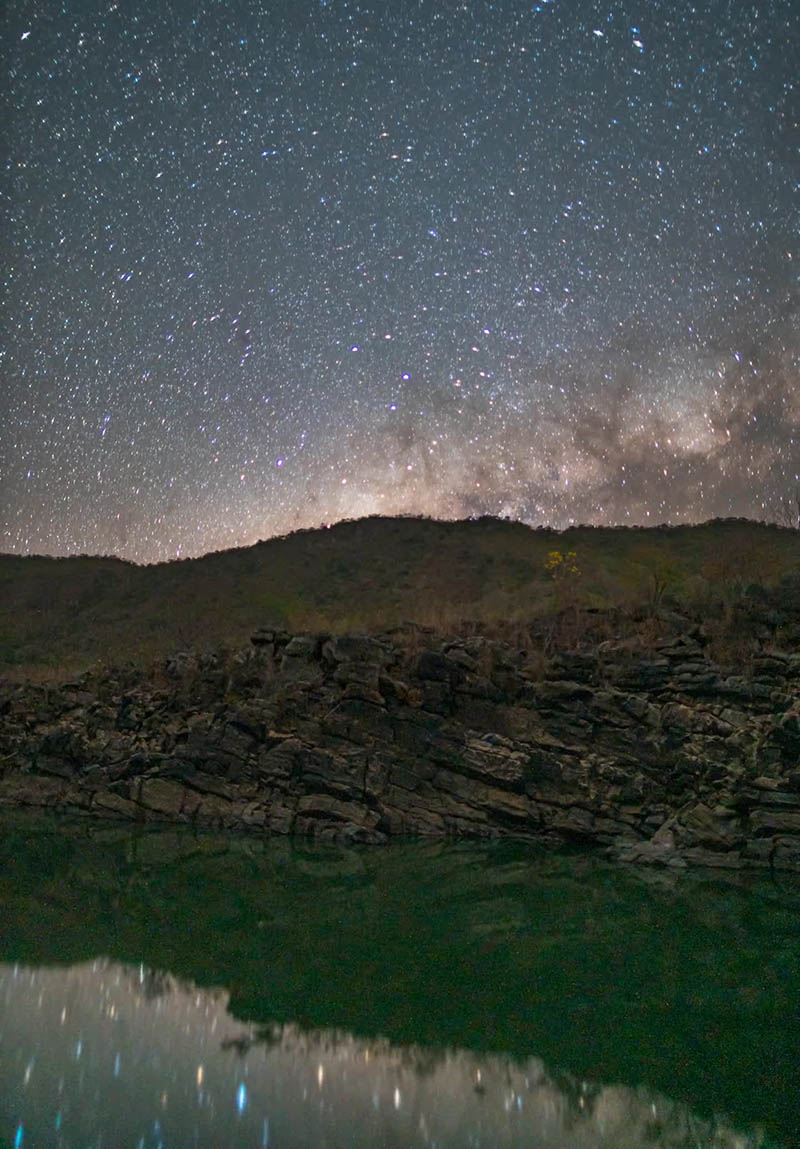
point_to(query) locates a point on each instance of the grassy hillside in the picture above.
(65, 614)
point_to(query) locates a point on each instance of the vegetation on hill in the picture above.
(62, 615)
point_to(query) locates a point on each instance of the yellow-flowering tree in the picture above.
(563, 566)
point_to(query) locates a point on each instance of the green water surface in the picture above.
(159, 987)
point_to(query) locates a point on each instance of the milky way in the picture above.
(271, 265)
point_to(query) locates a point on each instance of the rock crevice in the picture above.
(656, 755)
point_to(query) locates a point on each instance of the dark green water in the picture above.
(162, 988)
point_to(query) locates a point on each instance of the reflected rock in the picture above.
(189, 1070)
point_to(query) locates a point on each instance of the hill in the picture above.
(59, 615)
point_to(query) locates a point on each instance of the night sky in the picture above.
(271, 265)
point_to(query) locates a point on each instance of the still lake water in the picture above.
(161, 988)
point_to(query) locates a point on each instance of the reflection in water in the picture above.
(106, 1054)
(361, 992)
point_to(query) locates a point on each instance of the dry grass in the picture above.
(487, 576)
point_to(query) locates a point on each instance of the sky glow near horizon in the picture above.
(268, 266)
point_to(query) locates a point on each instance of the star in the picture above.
(302, 244)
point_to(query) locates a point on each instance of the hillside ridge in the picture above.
(59, 615)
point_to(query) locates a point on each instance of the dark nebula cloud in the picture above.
(272, 265)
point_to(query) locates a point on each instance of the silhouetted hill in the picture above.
(66, 613)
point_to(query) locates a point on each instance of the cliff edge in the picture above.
(656, 754)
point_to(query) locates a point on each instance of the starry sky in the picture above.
(103, 1053)
(269, 265)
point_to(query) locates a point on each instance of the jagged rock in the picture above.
(560, 692)
(717, 829)
(300, 661)
(357, 648)
(181, 664)
(654, 756)
(264, 637)
(436, 666)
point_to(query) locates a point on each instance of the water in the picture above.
(163, 988)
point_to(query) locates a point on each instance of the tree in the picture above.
(562, 567)
(786, 510)
(660, 573)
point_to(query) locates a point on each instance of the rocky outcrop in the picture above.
(655, 754)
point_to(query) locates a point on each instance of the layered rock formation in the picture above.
(655, 754)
